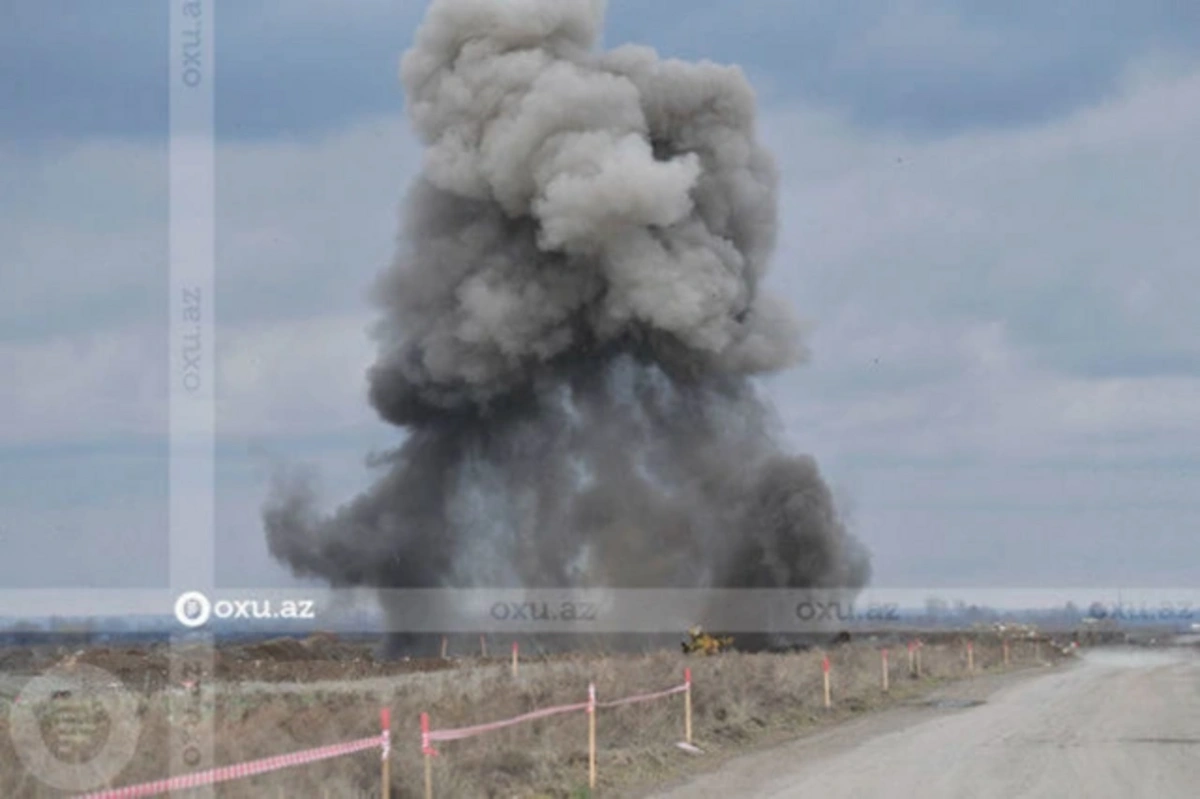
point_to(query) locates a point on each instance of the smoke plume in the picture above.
(570, 332)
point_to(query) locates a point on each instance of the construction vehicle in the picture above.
(700, 642)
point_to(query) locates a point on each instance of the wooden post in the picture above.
(884, 658)
(971, 657)
(514, 658)
(825, 670)
(687, 704)
(918, 658)
(482, 645)
(427, 751)
(592, 736)
(443, 647)
(912, 662)
(1006, 654)
(385, 722)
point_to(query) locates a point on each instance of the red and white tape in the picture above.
(480, 729)
(629, 700)
(241, 770)
(429, 736)
(381, 741)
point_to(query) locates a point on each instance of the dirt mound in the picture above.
(326, 646)
(278, 649)
(17, 660)
(138, 669)
(147, 668)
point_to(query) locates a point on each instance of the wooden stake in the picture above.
(1006, 655)
(428, 752)
(443, 647)
(971, 657)
(918, 659)
(825, 670)
(912, 663)
(385, 722)
(592, 736)
(514, 659)
(885, 670)
(687, 704)
(482, 645)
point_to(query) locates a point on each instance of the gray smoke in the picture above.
(570, 330)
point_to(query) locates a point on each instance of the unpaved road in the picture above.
(1118, 724)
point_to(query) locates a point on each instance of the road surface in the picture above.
(1121, 723)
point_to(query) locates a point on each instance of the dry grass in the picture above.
(740, 700)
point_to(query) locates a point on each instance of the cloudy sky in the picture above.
(991, 220)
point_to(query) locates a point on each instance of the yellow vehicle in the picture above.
(700, 642)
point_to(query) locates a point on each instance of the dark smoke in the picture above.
(570, 331)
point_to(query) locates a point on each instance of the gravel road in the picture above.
(1120, 723)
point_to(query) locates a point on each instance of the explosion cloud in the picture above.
(570, 332)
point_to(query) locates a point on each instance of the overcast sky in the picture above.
(991, 219)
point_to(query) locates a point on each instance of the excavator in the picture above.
(701, 643)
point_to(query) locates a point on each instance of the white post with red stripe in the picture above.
(428, 751)
(591, 709)
(687, 705)
(825, 672)
(385, 721)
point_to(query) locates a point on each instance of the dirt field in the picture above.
(319, 657)
(283, 696)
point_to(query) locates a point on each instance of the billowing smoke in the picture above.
(570, 330)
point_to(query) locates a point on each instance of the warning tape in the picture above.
(459, 733)
(469, 732)
(268, 764)
(629, 700)
(241, 770)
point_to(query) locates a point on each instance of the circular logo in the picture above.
(193, 609)
(75, 727)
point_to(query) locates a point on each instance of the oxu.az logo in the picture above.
(194, 609)
(75, 726)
